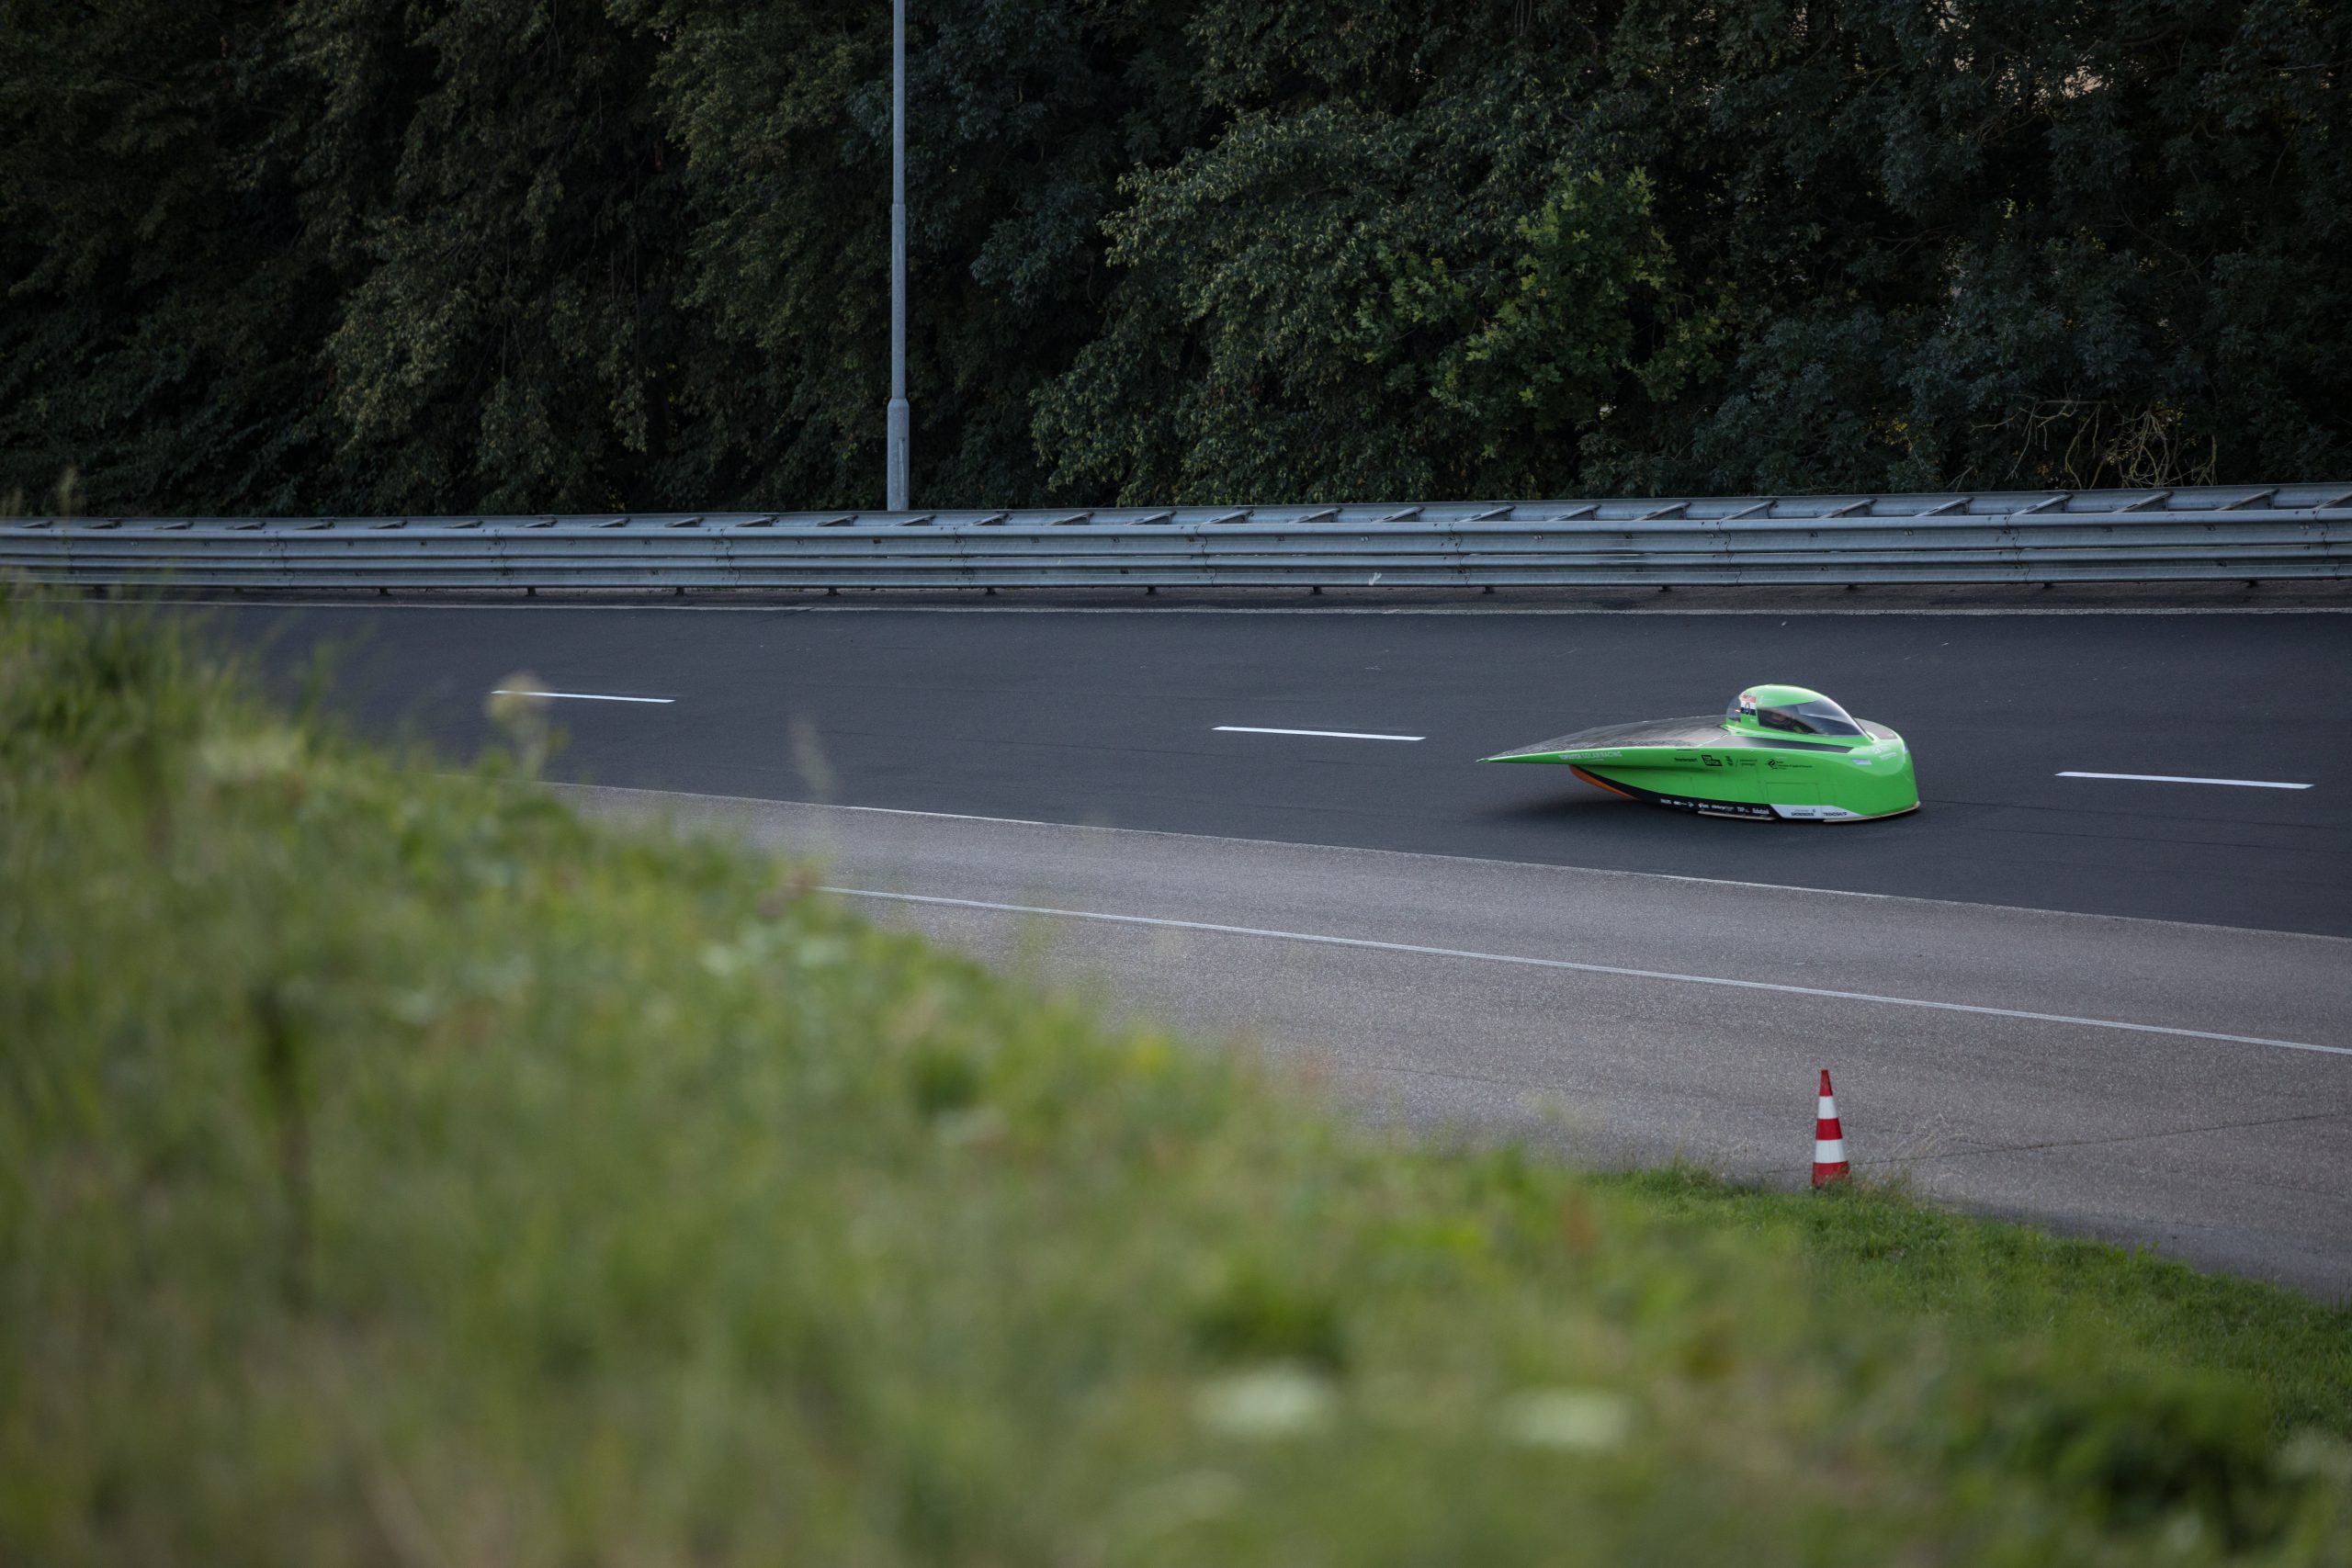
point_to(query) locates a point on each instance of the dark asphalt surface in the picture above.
(1107, 718)
(1516, 983)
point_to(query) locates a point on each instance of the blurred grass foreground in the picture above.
(396, 1170)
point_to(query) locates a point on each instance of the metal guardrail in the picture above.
(2203, 534)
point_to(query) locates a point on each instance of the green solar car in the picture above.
(1778, 754)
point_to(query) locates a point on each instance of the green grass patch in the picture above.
(1875, 1246)
(395, 1170)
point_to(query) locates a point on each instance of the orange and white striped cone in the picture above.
(1828, 1140)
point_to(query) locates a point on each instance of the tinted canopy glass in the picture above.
(1816, 716)
(1820, 716)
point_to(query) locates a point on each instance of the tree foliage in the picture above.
(162, 306)
(522, 255)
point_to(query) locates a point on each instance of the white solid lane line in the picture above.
(2169, 778)
(1327, 734)
(579, 696)
(1323, 941)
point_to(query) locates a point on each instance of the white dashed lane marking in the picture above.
(1325, 734)
(2170, 778)
(579, 696)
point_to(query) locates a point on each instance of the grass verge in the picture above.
(394, 1169)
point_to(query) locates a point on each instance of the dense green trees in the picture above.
(536, 254)
(1022, 117)
(164, 308)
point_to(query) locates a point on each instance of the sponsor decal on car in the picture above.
(1715, 807)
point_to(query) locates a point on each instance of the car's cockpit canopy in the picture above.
(1789, 710)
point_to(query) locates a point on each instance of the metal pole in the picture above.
(895, 483)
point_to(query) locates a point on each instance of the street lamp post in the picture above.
(895, 482)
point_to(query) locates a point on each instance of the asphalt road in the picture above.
(1111, 719)
(2084, 1001)
(2137, 1080)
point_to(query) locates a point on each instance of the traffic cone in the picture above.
(1828, 1140)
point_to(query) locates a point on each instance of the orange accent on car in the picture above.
(1599, 782)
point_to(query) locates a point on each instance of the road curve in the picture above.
(2160, 1097)
(2121, 971)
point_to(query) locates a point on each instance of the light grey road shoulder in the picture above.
(2128, 1078)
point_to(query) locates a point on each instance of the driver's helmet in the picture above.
(1789, 710)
